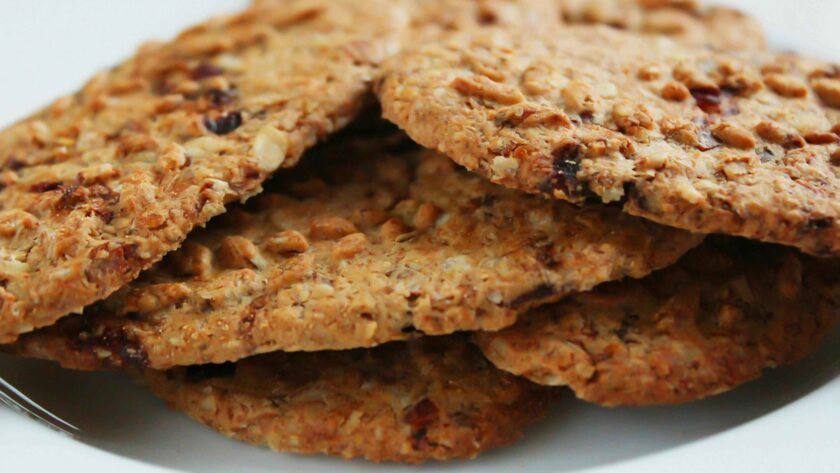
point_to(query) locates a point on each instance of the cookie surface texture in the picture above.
(739, 143)
(429, 399)
(687, 21)
(102, 184)
(368, 241)
(716, 320)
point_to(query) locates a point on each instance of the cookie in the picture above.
(684, 20)
(726, 312)
(368, 241)
(740, 143)
(429, 399)
(100, 185)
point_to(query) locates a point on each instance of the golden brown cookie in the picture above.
(103, 183)
(743, 144)
(368, 241)
(726, 312)
(429, 399)
(688, 21)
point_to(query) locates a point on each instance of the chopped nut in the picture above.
(485, 89)
(578, 97)
(820, 137)
(331, 228)
(693, 78)
(193, 259)
(205, 147)
(155, 297)
(480, 67)
(676, 91)
(779, 134)
(504, 167)
(828, 90)
(237, 252)
(349, 246)
(649, 73)
(393, 229)
(734, 135)
(786, 85)
(288, 241)
(632, 119)
(536, 80)
(427, 215)
(270, 148)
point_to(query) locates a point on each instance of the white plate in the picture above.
(788, 421)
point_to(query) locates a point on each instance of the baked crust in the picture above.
(737, 143)
(101, 184)
(429, 399)
(368, 241)
(687, 21)
(729, 310)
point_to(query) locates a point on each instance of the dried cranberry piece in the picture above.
(205, 70)
(224, 124)
(708, 99)
(566, 166)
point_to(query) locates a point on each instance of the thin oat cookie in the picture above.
(368, 241)
(102, 184)
(688, 21)
(737, 143)
(428, 399)
(729, 310)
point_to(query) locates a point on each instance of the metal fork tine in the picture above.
(16, 400)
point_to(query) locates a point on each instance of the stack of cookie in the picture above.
(632, 199)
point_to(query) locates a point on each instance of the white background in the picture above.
(787, 422)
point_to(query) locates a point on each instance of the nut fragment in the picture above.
(237, 252)
(349, 246)
(193, 259)
(270, 148)
(578, 97)
(288, 241)
(820, 137)
(735, 136)
(693, 78)
(632, 119)
(676, 91)
(786, 85)
(485, 89)
(331, 228)
(392, 229)
(155, 297)
(828, 90)
(426, 216)
(779, 134)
